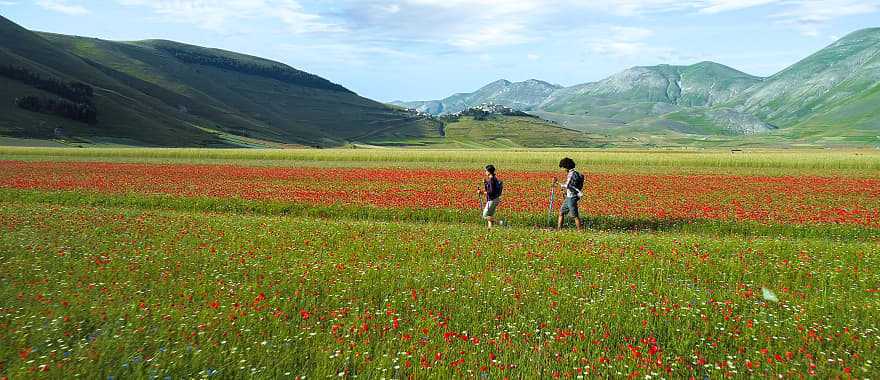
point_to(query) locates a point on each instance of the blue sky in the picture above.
(428, 49)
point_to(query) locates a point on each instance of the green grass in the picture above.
(125, 292)
(758, 162)
(502, 132)
(99, 285)
(11, 141)
(428, 215)
(696, 122)
(512, 132)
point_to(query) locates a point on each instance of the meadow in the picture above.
(373, 263)
(769, 162)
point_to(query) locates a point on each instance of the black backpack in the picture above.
(577, 180)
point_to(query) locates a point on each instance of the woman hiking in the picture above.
(492, 188)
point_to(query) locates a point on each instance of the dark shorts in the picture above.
(570, 207)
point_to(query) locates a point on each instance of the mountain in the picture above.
(518, 95)
(834, 92)
(828, 98)
(638, 93)
(163, 93)
(120, 108)
(652, 90)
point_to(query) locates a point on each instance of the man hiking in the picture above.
(573, 186)
(492, 188)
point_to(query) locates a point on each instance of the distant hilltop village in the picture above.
(480, 112)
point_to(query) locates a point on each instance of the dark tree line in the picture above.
(277, 72)
(75, 102)
(74, 91)
(83, 112)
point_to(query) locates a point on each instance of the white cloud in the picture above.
(619, 49)
(216, 15)
(810, 16)
(718, 6)
(634, 7)
(341, 53)
(533, 56)
(643, 7)
(473, 25)
(491, 36)
(478, 24)
(628, 33)
(793, 11)
(391, 8)
(623, 42)
(62, 6)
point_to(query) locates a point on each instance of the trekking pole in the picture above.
(552, 199)
(480, 199)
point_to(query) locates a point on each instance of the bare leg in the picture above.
(559, 221)
(578, 223)
(491, 221)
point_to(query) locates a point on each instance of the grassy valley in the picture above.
(164, 93)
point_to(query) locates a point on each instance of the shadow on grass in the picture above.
(635, 225)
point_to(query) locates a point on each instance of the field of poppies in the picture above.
(307, 268)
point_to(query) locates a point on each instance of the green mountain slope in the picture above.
(834, 92)
(651, 91)
(501, 131)
(170, 94)
(516, 131)
(125, 115)
(519, 95)
(829, 98)
(640, 95)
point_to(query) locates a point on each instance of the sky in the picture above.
(429, 49)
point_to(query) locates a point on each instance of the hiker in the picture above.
(573, 186)
(492, 188)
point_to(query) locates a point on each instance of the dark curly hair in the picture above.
(490, 169)
(567, 163)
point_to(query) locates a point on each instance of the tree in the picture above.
(82, 112)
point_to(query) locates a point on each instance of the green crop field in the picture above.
(374, 263)
(779, 162)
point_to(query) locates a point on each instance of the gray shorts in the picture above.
(489, 210)
(570, 207)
